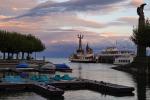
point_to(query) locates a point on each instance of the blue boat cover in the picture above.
(13, 79)
(57, 78)
(64, 66)
(66, 77)
(22, 65)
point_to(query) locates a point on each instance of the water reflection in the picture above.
(142, 81)
(20, 96)
(100, 72)
(80, 71)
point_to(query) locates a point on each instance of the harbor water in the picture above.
(95, 71)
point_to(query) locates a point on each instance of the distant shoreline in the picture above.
(131, 68)
(126, 68)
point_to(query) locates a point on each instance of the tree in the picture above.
(142, 38)
(14, 43)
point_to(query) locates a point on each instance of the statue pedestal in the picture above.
(142, 64)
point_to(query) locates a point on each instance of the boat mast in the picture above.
(80, 43)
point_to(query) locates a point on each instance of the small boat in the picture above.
(48, 66)
(56, 78)
(13, 79)
(81, 55)
(22, 64)
(65, 77)
(33, 65)
(63, 68)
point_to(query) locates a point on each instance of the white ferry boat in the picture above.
(123, 60)
(115, 56)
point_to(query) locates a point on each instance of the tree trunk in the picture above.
(22, 55)
(141, 51)
(8, 55)
(28, 56)
(12, 55)
(4, 56)
(17, 55)
(35, 55)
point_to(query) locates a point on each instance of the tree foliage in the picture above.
(14, 43)
(142, 37)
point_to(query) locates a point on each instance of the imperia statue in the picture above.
(140, 10)
(141, 17)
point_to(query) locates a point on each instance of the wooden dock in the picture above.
(56, 89)
(13, 62)
(20, 70)
(43, 90)
(98, 86)
(47, 90)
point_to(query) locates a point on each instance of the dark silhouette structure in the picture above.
(83, 55)
(141, 50)
(80, 50)
(88, 49)
(143, 85)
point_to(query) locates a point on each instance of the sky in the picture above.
(58, 22)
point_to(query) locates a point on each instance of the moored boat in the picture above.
(22, 64)
(82, 56)
(115, 56)
(63, 68)
(123, 60)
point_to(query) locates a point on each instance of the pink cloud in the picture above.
(137, 2)
(130, 20)
(4, 17)
(16, 7)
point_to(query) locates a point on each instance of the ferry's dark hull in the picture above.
(106, 59)
(83, 61)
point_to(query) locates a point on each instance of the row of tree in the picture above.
(14, 43)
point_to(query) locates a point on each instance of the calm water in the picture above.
(101, 72)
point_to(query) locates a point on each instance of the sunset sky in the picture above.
(57, 22)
